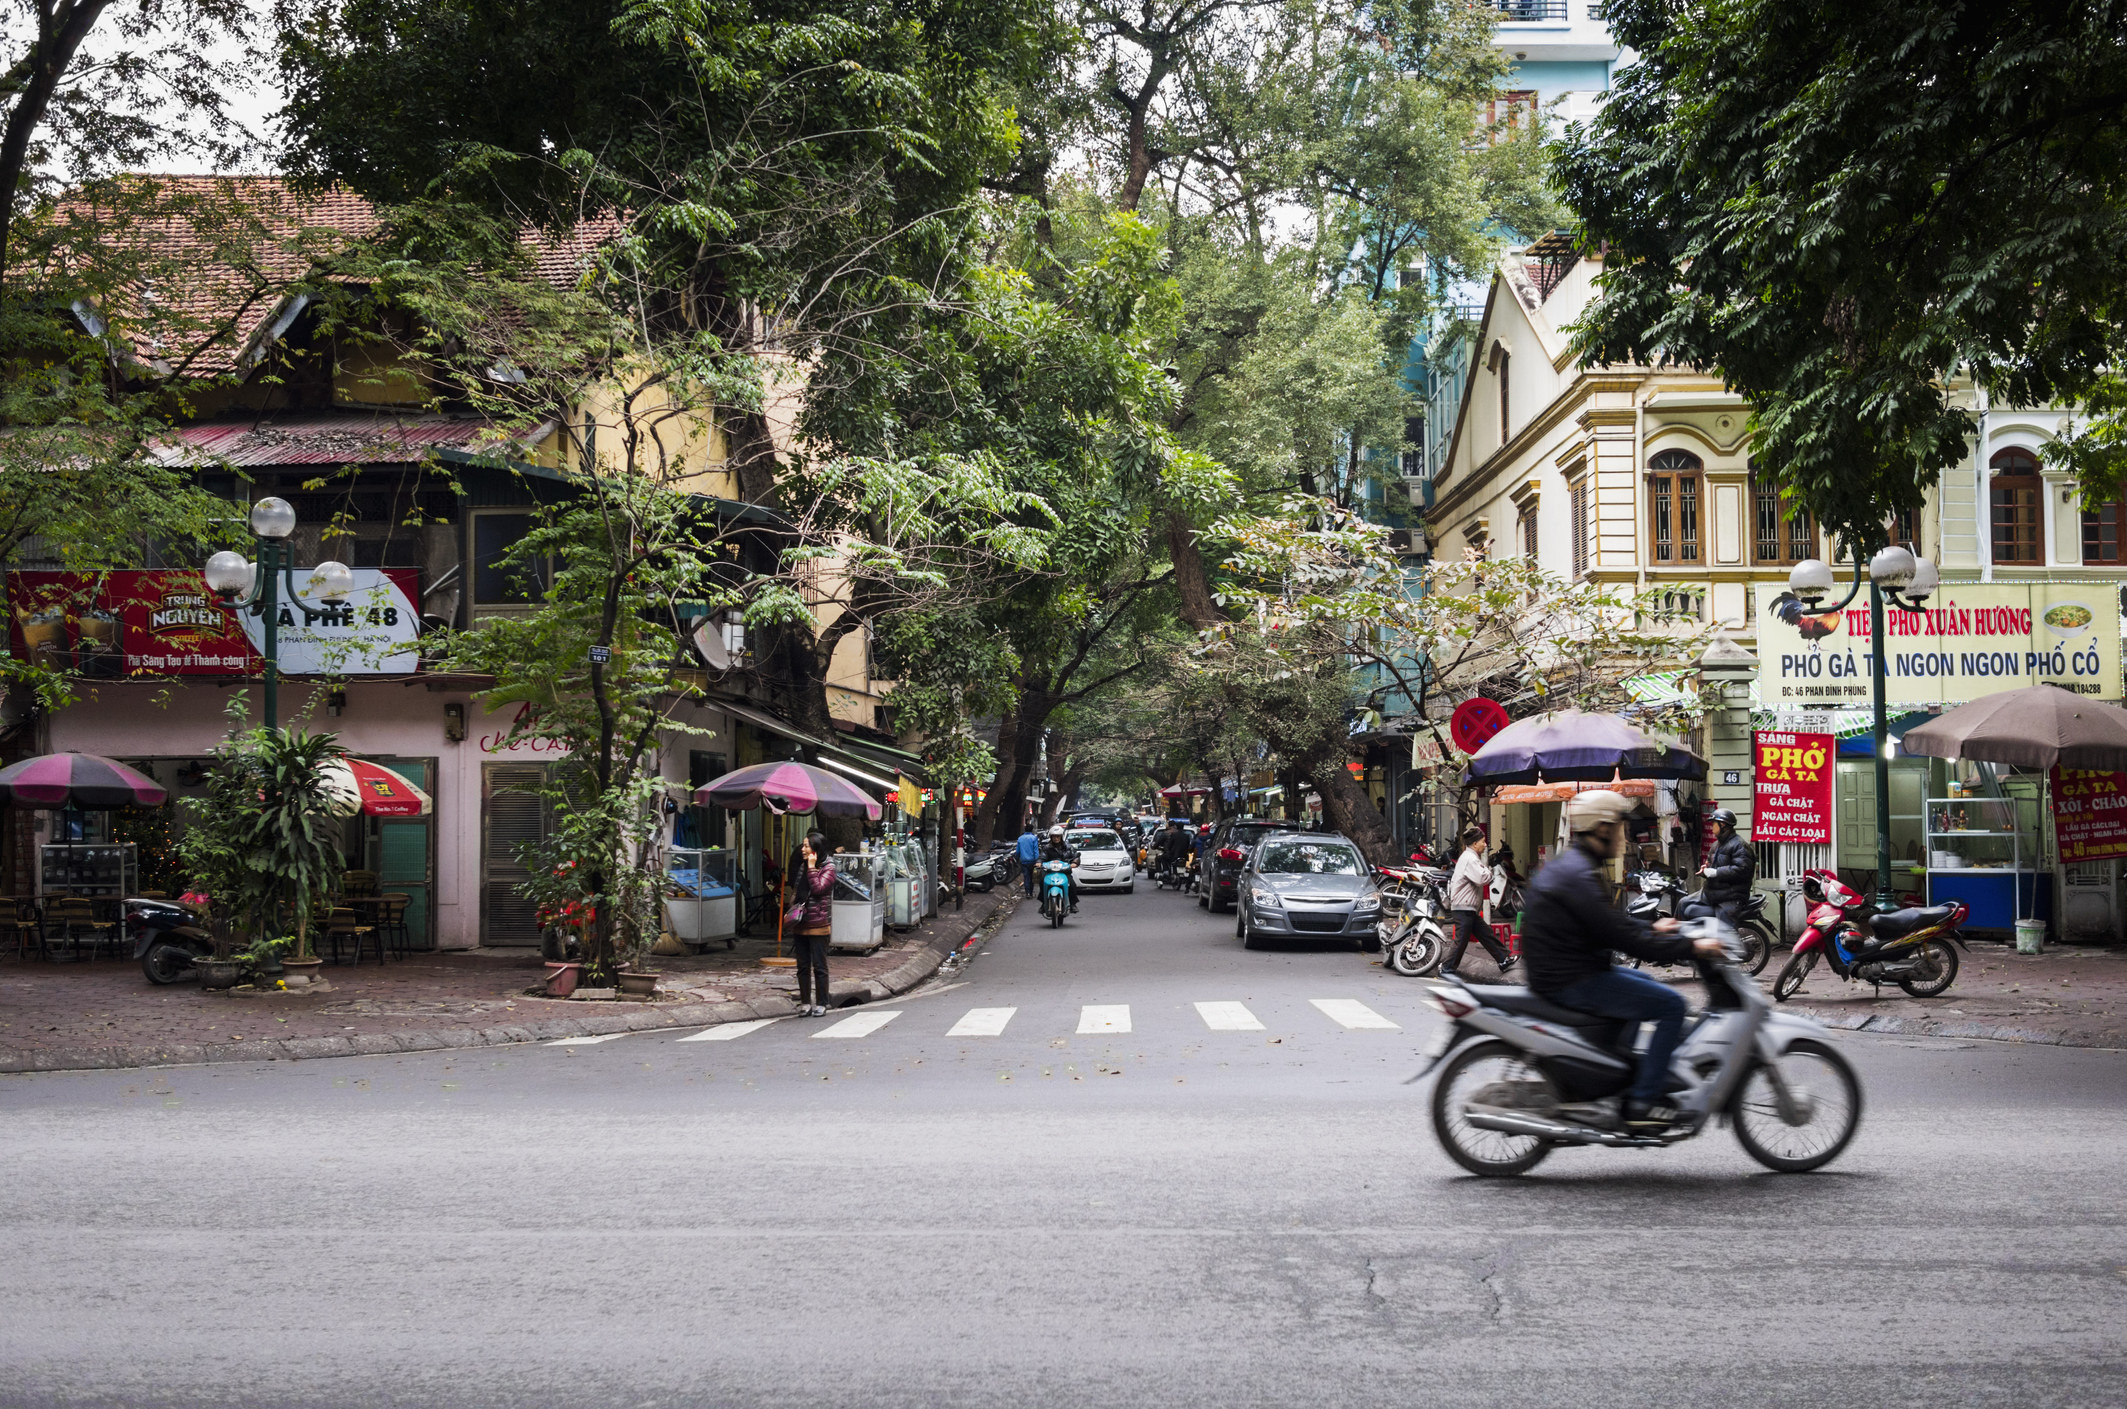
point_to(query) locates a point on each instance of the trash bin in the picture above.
(2030, 936)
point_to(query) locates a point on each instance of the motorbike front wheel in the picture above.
(1820, 1113)
(166, 963)
(1414, 954)
(1757, 947)
(1495, 1154)
(1790, 979)
(1934, 969)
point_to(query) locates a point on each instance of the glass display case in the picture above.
(906, 867)
(859, 900)
(1985, 852)
(96, 870)
(701, 894)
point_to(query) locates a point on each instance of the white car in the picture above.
(1103, 861)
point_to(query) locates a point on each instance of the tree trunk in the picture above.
(983, 829)
(1192, 581)
(1348, 809)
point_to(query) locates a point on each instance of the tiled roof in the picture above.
(345, 438)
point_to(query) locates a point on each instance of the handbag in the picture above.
(795, 914)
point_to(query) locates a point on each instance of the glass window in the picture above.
(1309, 858)
(2015, 494)
(1673, 507)
(1093, 839)
(2101, 533)
(496, 581)
(1777, 538)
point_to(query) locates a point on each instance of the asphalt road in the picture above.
(1174, 1214)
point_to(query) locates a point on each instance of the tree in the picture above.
(1841, 206)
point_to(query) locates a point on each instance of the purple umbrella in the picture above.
(792, 787)
(1569, 746)
(81, 782)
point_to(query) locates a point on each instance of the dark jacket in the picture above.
(1057, 849)
(1569, 927)
(1733, 866)
(816, 891)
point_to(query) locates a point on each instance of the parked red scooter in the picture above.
(1914, 948)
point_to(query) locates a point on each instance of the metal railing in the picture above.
(1522, 11)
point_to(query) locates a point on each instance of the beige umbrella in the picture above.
(2041, 727)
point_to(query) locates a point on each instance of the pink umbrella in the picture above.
(76, 781)
(789, 787)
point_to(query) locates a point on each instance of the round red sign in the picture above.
(1475, 722)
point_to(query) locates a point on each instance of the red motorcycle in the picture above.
(1915, 948)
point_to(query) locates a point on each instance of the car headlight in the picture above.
(1369, 901)
(1263, 895)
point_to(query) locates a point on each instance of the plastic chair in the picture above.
(344, 926)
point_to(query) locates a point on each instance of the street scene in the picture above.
(1062, 702)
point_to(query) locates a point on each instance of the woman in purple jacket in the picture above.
(816, 901)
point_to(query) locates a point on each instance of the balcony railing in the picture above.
(1523, 11)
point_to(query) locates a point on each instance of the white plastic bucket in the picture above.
(2030, 936)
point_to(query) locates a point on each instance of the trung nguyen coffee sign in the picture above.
(1974, 639)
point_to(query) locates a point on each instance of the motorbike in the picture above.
(1055, 891)
(980, 872)
(1655, 895)
(1418, 939)
(1915, 948)
(1519, 1076)
(1506, 889)
(167, 939)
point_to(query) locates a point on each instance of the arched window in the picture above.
(2015, 494)
(1673, 507)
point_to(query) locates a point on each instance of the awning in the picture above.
(1559, 792)
(1661, 687)
(761, 719)
(891, 785)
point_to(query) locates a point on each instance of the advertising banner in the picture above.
(165, 621)
(1792, 798)
(2089, 814)
(1974, 639)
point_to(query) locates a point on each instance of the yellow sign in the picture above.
(911, 796)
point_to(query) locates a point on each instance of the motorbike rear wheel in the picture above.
(1790, 979)
(1757, 940)
(1934, 968)
(165, 963)
(1494, 1154)
(1819, 1080)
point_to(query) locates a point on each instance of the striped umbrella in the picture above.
(81, 782)
(359, 786)
(788, 787)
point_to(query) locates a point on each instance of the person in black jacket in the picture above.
(1730, 869)
(1569, 929)
(1055, 848)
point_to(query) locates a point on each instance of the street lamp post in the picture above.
(1894, 575)
(257, 586)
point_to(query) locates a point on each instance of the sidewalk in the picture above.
(64, 1017)
(2067, 996)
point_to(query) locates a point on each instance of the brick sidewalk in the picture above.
(106, 1013)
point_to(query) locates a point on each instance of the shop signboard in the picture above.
(165, 621)
(1791, 799)
(2089, 814)
(1974, 639)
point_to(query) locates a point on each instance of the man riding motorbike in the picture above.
(1569, 929)
(1730, 869)
(1173, 846)
(1055, 849)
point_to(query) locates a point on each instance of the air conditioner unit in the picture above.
(1399, 540)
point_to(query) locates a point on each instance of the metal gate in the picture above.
(511, 816)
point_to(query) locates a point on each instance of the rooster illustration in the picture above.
(1813, 626)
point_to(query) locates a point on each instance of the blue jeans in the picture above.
(1633, 997)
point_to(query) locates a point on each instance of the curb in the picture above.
(918, 967)
(1887, 1025)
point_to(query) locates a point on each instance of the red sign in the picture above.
(1792, 799)
(165, 621)
(1475, 722)
(2089, 814)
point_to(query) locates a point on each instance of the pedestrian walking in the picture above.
(1467, 888)
(815, 914)
(1029, 852)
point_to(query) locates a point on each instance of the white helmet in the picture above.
(1597, 808)
(1057, 830)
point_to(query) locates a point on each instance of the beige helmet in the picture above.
(1592, 810)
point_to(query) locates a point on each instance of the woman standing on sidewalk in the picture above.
(816, 906)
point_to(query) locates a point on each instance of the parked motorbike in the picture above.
(1655, 895)
(1520, 1077)
(1418, 938)
(1915, 948)
(1055, 891)
(980, 872)
(167, 939)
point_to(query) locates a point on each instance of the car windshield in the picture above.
(1308, 858)
(1095, 839)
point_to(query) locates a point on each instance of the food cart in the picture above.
(859, 901)
(701, 895)
(1983, 848)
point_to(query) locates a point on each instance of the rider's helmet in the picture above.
(1722, 818)
(1593, 810)
(1057, 830)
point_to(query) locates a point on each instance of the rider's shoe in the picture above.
(1647, 1117)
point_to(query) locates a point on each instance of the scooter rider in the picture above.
(1054, 849)
(1730, 869)
(1569, 929)
(1174, 846)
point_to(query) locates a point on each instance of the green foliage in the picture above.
(1841, 206)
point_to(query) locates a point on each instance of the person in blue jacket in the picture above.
(1029, 849)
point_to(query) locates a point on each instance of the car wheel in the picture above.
(1249, 938)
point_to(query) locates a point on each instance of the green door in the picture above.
(403, 852)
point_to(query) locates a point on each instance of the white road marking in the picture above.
(1228, 1017)
(1352, 1013)
(587, 1041)
(860, 1025)
(1104, 1017)
(729, 1031)
(982, 1022)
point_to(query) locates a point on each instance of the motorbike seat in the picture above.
(1513, 998)
(1903, 922)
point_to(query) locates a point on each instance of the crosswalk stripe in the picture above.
(1104, 1017)
(859, 1025)
(982, 1022)
(1352, 1013)
(586, 1041)
(1228, 1017)
(728, 1031)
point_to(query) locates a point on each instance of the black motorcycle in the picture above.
(167, 939)
(1652, 895)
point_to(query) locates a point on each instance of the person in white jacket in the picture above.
(1467, 888)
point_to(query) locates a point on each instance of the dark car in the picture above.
(1228, 853)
